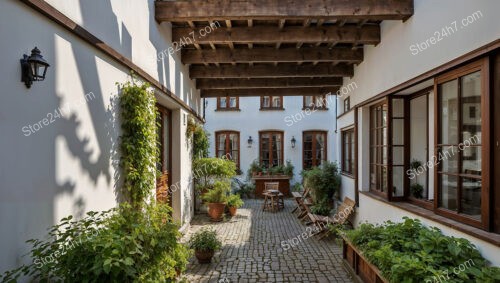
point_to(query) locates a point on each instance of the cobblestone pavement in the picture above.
(252, 250)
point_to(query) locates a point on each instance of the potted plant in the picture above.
(288, 169)
(216, 198)
(233, 203)
(205, 244)
(417, 190)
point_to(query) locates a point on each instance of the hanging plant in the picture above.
(139, 149)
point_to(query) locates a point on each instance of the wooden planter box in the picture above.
(283, 180)
(360, 269)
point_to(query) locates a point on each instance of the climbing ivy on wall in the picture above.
(197, 134)
(138, 144)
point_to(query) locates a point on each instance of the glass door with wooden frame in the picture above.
(271, 148)
(163, 164)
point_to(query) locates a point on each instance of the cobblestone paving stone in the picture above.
(252, 250)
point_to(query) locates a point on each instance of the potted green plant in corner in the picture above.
(205, 244)
(216, 199)
(233, 203)
(416, 190)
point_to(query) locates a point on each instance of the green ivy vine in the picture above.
(139, 149)
(199, 137)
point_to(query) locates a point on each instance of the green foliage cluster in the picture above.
(138, 144)
(323, 181)
(322, 207)
(218, 194)
(255, 167)
(410, 252)
(297, 187)
(199, 137)
(245, 190)
(119, 245)
(207, 171)
(205, 240)
(234, 201)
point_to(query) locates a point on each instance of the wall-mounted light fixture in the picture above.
(250, 141)
(293, 141)
(33, 67)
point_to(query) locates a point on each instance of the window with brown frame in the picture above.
(347, 104)
(271, 148)
(313, 149)
(228, 103)
(317, 102)
(228, 144)
(378, 148)
(463, 163)
(271, 103)
(348, 151)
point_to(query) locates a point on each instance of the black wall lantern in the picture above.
(250, 141)
(33, 67)
(293, 141)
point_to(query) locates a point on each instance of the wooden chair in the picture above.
(344, 211)
(273, 198)
(299, 198)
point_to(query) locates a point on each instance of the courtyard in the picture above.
(252, 249)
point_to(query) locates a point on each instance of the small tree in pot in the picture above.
(234, 202)
(216, 199)
(205, 244)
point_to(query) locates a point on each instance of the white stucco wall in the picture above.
(70, 165)
(391, 62)
(250, 120)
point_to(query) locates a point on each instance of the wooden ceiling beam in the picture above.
(269, 55)
(369, 34)
(268, 83)
(202, 10)
(247, 92)
(270, 71)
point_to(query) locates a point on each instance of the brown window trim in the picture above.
(271, 132)
(481, 65)
(343, 133)
(486, 236)
(237, 108)
(226, 150)
(314, 107)
(386, 145)
(262, 108)
(314, 161)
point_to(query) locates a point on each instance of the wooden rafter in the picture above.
(270, 71)
(269, 55)
(307, 91)
(202, 10)
(268, 34)
(268, 83)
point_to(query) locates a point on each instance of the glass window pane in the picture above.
(471, 197)
(471, 160)
(448, 196)
(398, 109)
(232, 102)
(471, 105)
(398, 155)
(276, 101)
(398, 131)
(308, 102)
(384, 178)
(448, 158)
(266, 101)
(222, 102)
(398, 181)
(449, 112)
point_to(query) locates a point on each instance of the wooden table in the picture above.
(273, 197)
(283, 180)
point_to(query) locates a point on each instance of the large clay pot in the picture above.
(204, 256)
(216, 211)
(232, 211)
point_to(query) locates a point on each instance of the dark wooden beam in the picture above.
(368, 34)
(203, 10)
(267, 55)
(268, 83)
(270, 71)
(246, 92)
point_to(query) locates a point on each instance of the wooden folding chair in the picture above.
(299, 198)
(344, 211)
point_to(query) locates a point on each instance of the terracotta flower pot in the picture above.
(216, 210)
(204, 256)
(232, 211)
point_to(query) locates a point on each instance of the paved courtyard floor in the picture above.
(253, 252)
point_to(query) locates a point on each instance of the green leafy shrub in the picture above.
(322, 207)
(411, 252)
(288, 169)
(138, 142)
(208, 170)
(234, 201)
(119, 245)
(417, 190)
(219, 192)
(253, 168)
(205, 240)
(297, 187)
(324, 181)
(199, 137)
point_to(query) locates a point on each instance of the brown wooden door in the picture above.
(163, 194)
(495, 145)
